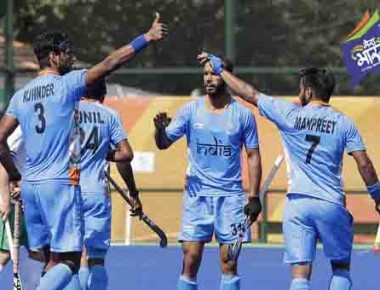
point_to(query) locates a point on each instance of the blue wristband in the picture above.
(217, 64)
(139, 43)
(374, 190)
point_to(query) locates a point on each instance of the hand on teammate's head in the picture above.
(202, 58)
(215, 62)
(161, 120)
(158, 30)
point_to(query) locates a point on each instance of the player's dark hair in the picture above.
(320, 80)
(97, 90)
(228, 65)
(47, 42)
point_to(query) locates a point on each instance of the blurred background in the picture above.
(269, 41)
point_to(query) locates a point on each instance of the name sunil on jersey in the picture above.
(90, 117)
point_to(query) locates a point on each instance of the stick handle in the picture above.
(118, 188)
(270, 176)
(17, 235)
(9, 237)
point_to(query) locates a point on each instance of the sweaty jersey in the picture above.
(45, 109)
(101, 130)
(314, 137)
(215, 141)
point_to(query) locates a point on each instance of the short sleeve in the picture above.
(117, 132)
(75, 81)
(274, 109)
(12, 109)
(354, 141)
(250, 135)
(179, 125)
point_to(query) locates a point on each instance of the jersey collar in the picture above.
(319, 103)
(47, 71)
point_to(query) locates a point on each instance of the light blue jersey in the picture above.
(215, 141)
(101, 130)
(45, 110)
(315, 137)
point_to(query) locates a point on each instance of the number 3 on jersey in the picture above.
(91, 142)
(41, 123)
(314, 143)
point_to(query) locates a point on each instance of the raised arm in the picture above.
(244, 90)
(161, 121)
(124, 54)
(368, 174)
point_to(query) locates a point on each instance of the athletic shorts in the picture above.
(307, 220)
(202, 216)
(97, 224)
(53, 216)
(4, 245)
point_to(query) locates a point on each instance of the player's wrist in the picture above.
(134, 193)
(374, 191)
(253, 197)
(140, 42)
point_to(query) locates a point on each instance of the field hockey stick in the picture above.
(235, 248)
(17, 285)
(160, 233)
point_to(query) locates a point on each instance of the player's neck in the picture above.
(318, 102)
(48, 70)
(219, 102)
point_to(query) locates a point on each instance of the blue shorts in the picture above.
(307, 220)
(97, 224)
(53, 216)
(204, 215)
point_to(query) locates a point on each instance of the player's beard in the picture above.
(64, 69)
(304, 100)
(214, 91)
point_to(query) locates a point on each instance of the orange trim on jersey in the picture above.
(74, 174)
(47, 71)
(320, 103)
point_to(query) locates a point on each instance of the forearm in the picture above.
(117, 59)
(368, 172)
(246, 91)
(4, 186)
(118, 155)
(254, 175)
(162, 140)
(7, 161)
(126, 172)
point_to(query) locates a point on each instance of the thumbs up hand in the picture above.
(157, 31)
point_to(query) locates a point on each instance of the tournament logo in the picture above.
(361, 49)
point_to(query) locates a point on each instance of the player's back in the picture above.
(315, 137)
(45, 111)
(100, 131)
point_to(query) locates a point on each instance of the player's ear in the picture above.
(52, 59)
